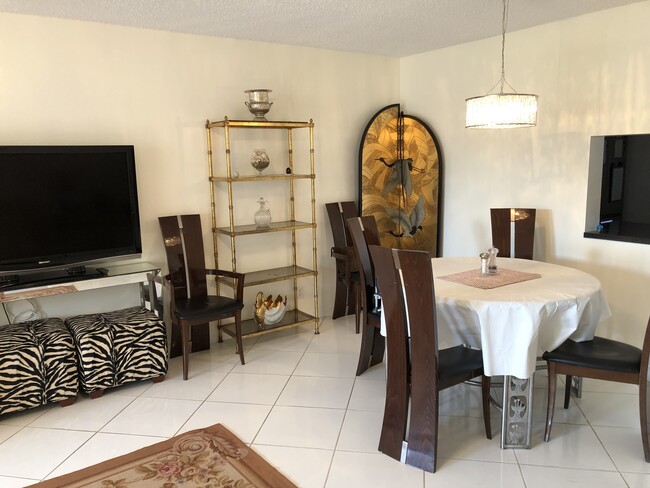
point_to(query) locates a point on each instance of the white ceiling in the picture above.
(386, 27)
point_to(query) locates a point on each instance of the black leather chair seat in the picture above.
(600, 353)
(200, 306)
(458, 361)
(601, 359)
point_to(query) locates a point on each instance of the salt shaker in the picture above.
(492, 261)
(484, 262)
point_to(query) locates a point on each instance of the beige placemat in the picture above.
(503, 277)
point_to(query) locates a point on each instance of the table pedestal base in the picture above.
(517, 414)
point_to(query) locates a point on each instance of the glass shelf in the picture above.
(242, 230)
(263, 276)
(253, 124)
(249, 327)
(268, 177)
(37, 285)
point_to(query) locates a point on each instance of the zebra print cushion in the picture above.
(59, 359)
(140, 344)
(93, 339)
(37, 365)
(119, 347)
(21, 375)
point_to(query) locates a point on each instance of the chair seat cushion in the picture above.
(458, 361)
(198, 307)
(599, 353)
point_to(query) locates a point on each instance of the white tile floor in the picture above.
(299, 404)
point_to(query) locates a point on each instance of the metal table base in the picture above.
(517, 414)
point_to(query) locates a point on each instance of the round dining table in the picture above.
(514, 315)
(514, 322)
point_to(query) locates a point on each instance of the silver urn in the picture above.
(258, 102)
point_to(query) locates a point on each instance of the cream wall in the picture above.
(70, 82)
(592, 75)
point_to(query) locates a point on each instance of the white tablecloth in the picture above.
(513, 324)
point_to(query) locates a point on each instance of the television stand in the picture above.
(50, 277)
(42, 284)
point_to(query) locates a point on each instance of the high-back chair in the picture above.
(417, 369)
(190, 304)
(524, 229)
(346, 297)
(602, 359)
(363, 231)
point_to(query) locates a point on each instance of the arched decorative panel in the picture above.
(400, 184)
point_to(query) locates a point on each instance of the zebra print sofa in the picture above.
(119, 347)
(37, 365)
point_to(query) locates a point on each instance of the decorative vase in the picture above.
(258, 103)
(263, 216)
(260, 160)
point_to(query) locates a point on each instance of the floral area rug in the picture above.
(209, 458)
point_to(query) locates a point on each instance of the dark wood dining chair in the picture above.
(524, 230)
(417, 369)
(524, 219)
(363, 231)
(346, 297)
(189, 302)
(602, 359)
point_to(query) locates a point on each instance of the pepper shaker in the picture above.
(484, 262)
(492, 261)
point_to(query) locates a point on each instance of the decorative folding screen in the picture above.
(400, 168)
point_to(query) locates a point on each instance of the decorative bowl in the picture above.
(269, 311)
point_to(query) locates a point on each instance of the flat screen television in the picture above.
(65, 206)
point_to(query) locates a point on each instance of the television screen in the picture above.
(63, 205)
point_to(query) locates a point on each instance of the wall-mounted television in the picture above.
(65, 206)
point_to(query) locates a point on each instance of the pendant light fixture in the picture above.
(501, 110)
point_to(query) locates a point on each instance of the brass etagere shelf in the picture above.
(291, 272)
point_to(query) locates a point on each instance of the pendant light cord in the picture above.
(504, 23)
(502, 83)
(498, 109)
